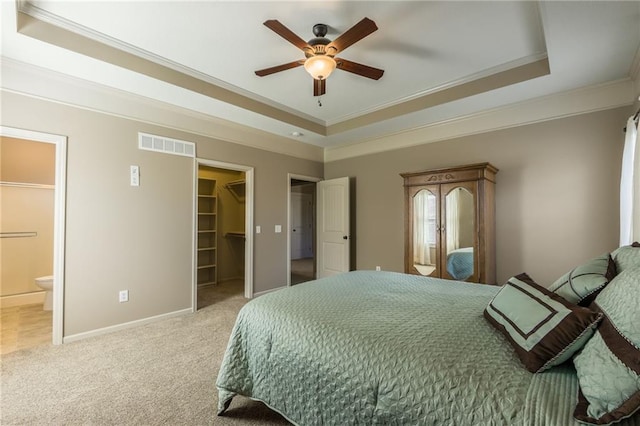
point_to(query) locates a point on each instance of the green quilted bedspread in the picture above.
(383, 348)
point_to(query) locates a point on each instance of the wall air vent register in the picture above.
(167, 145)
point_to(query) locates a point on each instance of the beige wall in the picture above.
(556, 203)
(556, 193)
(140, 238)
(23, 259)
(27, 161)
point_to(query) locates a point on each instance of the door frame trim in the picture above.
(248, 224)
(59, 237)
(310, 179)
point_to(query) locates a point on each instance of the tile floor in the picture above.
(23, 327)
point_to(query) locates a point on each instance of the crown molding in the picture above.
(450, 92)
(575, 102)
(40, 83)
(42, 25)
(45, 26)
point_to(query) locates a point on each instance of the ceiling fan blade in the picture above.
(356, 68)
(286, 34)
(353, 34)
(319, 87)
(278, 68)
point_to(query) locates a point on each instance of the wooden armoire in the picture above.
(450, 223)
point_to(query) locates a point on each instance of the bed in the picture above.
(460, 263)
(384, 348)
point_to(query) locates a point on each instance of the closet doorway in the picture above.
(223, 254)
(302, 229)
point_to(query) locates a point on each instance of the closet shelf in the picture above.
(207, 236)
(206, 266)
(235, 235)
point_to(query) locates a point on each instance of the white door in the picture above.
(333, 226)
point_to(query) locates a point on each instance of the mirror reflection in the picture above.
(459, 226)
(424, 232)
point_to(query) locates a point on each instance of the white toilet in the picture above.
(46, 283)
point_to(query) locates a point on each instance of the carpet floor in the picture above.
(157, 374)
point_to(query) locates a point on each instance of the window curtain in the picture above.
(453, 220)
(421, 229)
(630, 186)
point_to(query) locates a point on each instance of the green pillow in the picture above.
(582, 285)
(608, 366)
(543, 328)
(627, 256)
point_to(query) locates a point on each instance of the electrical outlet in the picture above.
(124, 296)
(377, 268)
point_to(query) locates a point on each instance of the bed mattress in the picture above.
(384, 348)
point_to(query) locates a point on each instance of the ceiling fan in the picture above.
(320, 53)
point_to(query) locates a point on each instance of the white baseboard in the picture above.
(260, 293)
(22, 299)
(124, 326)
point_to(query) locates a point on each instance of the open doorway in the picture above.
(223, 261)
(302, 229)
(21, 235)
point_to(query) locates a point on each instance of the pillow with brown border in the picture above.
(608, 367)
(543, 328)
(582, 284)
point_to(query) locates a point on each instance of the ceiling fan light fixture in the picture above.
(320, 66)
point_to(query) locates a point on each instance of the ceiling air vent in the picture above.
(166, 145)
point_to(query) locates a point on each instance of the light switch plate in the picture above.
(258, 229)
(278, 229)
(135, 176)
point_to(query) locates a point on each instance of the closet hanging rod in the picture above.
(234, 183)
(18, 234)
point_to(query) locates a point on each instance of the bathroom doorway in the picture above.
(33, 179)
(301, 229)
(223, 253)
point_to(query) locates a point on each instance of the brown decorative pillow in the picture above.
(543, 328)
